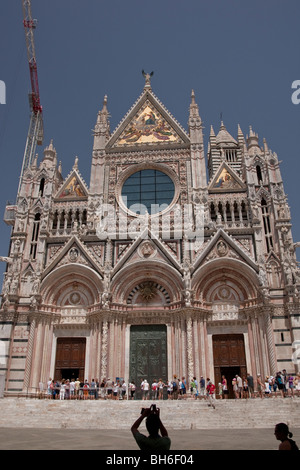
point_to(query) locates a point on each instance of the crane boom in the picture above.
(36, 128)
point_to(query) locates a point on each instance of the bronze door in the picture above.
(229, 358)
(148, 354)
(70, 358)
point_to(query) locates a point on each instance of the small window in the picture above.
(267, 225)
(42, 186)
(259, 174)
(35, 235)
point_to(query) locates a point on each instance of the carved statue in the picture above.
(5, 259)
(147, 77)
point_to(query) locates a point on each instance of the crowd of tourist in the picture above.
(281, 384)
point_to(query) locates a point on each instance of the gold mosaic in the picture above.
(148, 126)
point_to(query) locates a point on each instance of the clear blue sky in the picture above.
(240, 57)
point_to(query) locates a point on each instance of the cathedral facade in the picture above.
(174, 260)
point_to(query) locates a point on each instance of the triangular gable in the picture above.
(73, 188)
(272, 257)
(28, 271)
(38, 205)
(146, 247)
(221, 246)
(148, 123)
(226, 179)
(73, 252)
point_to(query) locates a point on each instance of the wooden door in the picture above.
(70, 358)
(229, 358)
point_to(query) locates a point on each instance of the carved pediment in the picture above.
(147, 123)
(74, 251)
(222, 246)
(73, 188)
(144, 248)
(226, 180)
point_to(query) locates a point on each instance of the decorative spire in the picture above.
(104, 109)
(102, 127)
(194, 110)
(147, 77)
(50, 152)
(252, 139)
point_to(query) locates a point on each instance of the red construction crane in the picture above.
(35, 132)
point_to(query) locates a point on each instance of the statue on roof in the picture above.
(147, 77)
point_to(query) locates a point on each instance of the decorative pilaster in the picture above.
(37, 358)
(270, 343)
(190, 358)
(104, 348)
(99, 350)
(29, 355)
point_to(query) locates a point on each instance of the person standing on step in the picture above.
(77, 387)
(132, 388)
(278, 380)
(175, 387)
(202, 387)
(62, 390)
(183, 387)
(260, 386)
(225, 391)
(154, 389)
(240, 386)
(284, 380)
(109, 387)
(170, 389)
(160, 387)
(145, 389)
(250, 385)
(235, 388)
(210, 388)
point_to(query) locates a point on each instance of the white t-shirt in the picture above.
(145, 385)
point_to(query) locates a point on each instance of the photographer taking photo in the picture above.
(154, 442)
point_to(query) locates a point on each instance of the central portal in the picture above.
(148, 354)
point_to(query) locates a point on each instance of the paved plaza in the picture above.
(76, 439)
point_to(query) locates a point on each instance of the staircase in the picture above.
(121, 414)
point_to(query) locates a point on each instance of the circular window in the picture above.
(148, 191)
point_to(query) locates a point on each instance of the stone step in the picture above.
(121, 414)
